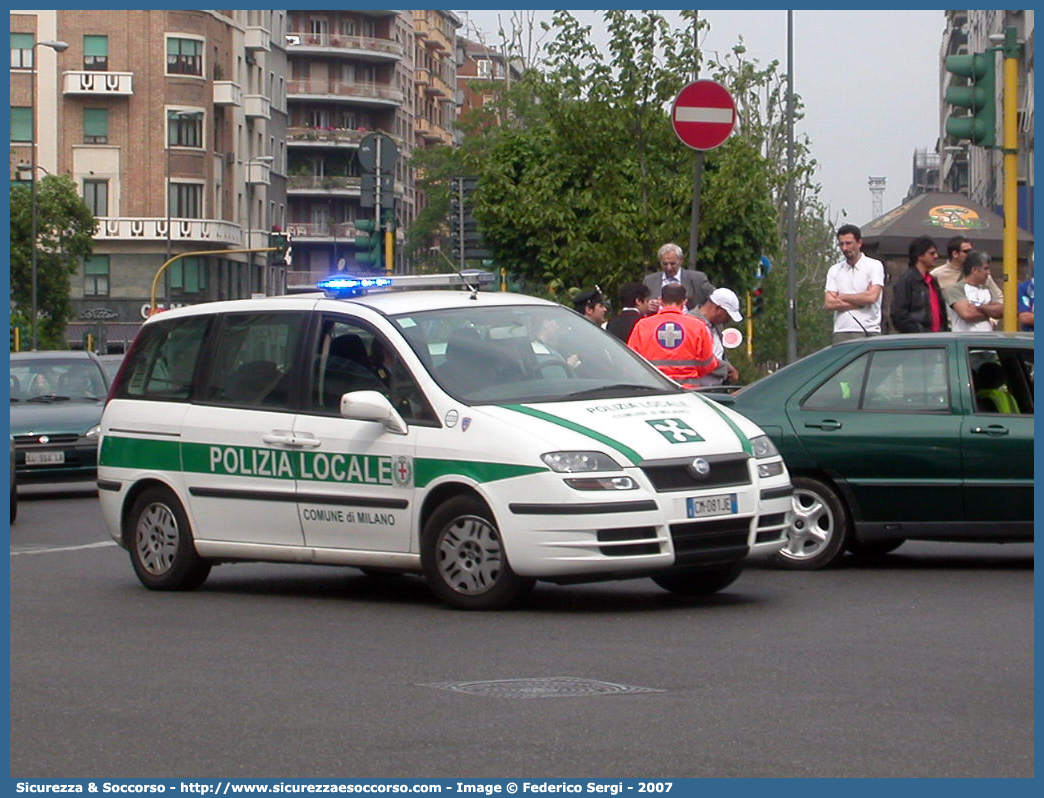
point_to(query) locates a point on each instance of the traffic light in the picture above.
(282, 253)
(370, 245)
(980, 125)
(757, 301)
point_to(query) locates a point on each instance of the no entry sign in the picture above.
(703, 114)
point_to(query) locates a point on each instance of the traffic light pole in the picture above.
(1009, 249)
(163, 268)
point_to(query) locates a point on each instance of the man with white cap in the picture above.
(721, 306)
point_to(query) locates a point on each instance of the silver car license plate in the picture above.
(44, 458)
(724, 504)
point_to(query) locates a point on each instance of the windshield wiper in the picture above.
(617, 387)
(48, 397)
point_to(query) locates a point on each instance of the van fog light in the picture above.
(602, 483)
(770, 469)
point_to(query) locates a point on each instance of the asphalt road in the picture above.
(918, 664)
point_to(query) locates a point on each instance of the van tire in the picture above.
(159, 539)
(464, 560)
(700, 581)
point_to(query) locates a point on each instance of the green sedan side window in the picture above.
(907, 380)
(841, 390)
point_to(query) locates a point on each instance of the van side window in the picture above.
(253, 360)
(352, 357)
(162, 360)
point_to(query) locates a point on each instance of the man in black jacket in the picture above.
(634, 304)
(917, 303)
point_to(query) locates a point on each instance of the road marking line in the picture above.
(64, 548)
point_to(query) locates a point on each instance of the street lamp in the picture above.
(250, 211)
(58, 47)
(172, 115)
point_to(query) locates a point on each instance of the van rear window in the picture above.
(162, 360)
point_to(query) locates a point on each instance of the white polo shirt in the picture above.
(845, 279)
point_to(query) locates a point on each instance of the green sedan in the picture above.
(898, 437)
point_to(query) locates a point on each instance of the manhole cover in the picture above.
(550, 687)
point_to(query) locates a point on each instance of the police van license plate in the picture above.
(725, 504)
(44, 458)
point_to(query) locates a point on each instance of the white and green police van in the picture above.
(484, 439)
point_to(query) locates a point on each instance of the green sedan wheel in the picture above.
(816, 537)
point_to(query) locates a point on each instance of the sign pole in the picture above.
(703, 115)
(697, 175)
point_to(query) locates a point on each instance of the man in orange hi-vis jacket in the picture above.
(676, 343)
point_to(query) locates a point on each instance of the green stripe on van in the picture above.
(426, 470)
(253, 461)
(748, 447)
(119, 452)
(626, 451)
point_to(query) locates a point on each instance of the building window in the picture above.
(21, 51)
(21, 124)
(96, 53)
(184, 56)
(188, 275)
(186, 200)
(184, 130)
(95, 125)
(485, 68)
(96, 275)
(96, 196)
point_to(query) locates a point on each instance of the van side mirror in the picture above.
(372, 406)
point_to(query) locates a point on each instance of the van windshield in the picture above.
(504, 355)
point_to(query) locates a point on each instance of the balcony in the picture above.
(258, 173)
(257, 38)
(422, 77)
(195, 231)
(431, 132)
(321, 232)
(374, 94)
(438, 87)
(324, 136)
(366, 47)
(328, 184)
(256, 239)
(433, 38)
(98, 84)
(226, 92)
(257, 105)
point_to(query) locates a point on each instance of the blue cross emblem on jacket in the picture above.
(670, 335)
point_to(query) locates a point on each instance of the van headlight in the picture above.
(93, 432)
(764, 448)
(578, 462)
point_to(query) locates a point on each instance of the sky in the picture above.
(869, 81)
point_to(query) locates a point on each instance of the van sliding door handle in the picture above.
(285, 438)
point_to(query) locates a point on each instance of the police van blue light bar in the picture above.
(343, 286)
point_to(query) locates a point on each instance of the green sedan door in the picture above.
(885, 429)
(997, 438)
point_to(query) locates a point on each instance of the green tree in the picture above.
(65, 227)
(581, 177)
(761, 99)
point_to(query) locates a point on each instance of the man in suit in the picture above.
(697, 286)
(634, 304)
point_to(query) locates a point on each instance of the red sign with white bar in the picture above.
(703, 114)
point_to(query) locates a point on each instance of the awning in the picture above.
(114, 332)
(940, 216)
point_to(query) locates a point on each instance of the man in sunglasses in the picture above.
(957, 249)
